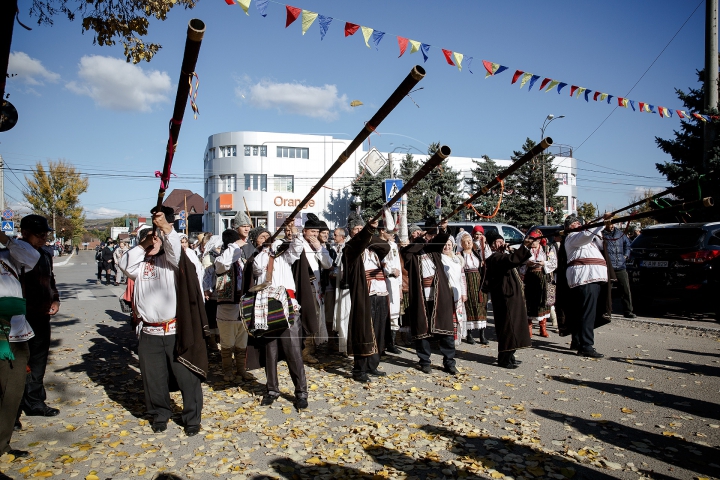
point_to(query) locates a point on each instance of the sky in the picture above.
(84, 104)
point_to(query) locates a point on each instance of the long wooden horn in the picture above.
(536, 150)
(415, 75)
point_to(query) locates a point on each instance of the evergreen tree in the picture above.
(587, 211)
(370, 191)
(483, 172)
(415, 209)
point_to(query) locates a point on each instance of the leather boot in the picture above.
(543, 328)
(240, 373)
(553, 316)
(227, 364)
(391, 347)
(530, 327)
(212, 343)
(483, 340)
(308, 351)
(470, 339)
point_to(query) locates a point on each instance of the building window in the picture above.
(562, 178)
(255, 182)
(255, 150)
(293, 152)
(563, 202)
(226, 183)
(227, 151)
(283, 183)
(211, 153)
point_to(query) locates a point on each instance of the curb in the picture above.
(64, 262)
(715, 331)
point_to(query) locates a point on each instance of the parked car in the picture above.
(678, 260)
(512, 235)
(548, 231)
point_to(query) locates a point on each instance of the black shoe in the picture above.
(192, 430)
(630, 315)
(394, 350)
(590, 353)
(18, 453)
(301, 404)
(377, 373)
(470, 339)
(43, 411)
(362, 378)
(510, 366)
(451, 370)
(483, 340)
(267, 400)
(18, 426)
(158, 427)
(426, 368)
(574, 345)
(515, 360)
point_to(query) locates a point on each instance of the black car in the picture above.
(676, 261)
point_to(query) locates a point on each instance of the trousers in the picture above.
(291, 343)
(623, 283)
(586, 300)
(12, 386)
(35, 395)
(446, 343)
(156, 355)
(379, 313)
(233, 334)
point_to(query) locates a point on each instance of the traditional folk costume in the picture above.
(17, 257)
(341, 317)
(392, 266)
(454, 267)
(172, 323)
(430, 312)
(363, 273)
(476, 303)
(327, 286)
(506, 291)
(210, 253)
(537, 280)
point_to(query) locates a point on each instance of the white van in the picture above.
(512, 235)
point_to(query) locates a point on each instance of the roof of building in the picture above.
(176, 200)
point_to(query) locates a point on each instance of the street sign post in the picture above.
(7, 226)
(392, 187)
(181, 224)
(7, 214)
(183, 216)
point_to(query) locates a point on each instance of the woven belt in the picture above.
(427, 281)
(587, 261)
(374, 274)
(471, 270)
(165, 325)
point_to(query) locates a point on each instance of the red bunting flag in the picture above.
(595, 96)
(516, 76)
(680, 113)
(292, 14)
(489, 67)
(660, 111)
(544, 83)
(573, 88)
(642, 106)
(402, 43)
(448, 56)
(350, 28)
(230, 2)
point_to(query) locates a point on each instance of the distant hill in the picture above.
(91, 223)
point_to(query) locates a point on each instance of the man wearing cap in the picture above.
(15, 332)
(506, 291)
(327, 284)
(43, 302)
(393, 278)
(108, 260)
(414, 231)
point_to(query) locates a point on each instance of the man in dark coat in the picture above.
(430, 310)
(108, 262)
(508, 299)
(366, 313)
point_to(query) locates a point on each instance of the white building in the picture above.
(268, 174)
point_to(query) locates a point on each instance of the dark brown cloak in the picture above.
(361, 337)
(304, 295)
(441, 318)
(508, 299)
(191, 321)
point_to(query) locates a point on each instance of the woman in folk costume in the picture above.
(476, 303)
(454, 269)
(480, 242)
(536, 276)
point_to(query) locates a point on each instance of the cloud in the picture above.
(295, 98)
(117, 85)
(103, 212)
(30, 70)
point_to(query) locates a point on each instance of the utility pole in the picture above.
(2, 185)
(711, 76)
(8, 10)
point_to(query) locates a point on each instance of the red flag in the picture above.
(544, 82)
(642, 106)
(292, 14)
(516, 76)
(402, 43)
(350, 28)
(230, 2)
(448, 56)
(573, 88)
(660, 111)
(597, 94)
(488, 67)
(620, 102)
(680, 114)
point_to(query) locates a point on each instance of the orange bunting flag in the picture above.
(402, 43)
(292, 14)
(448, 56)
(699, 117)
(660, 111)
(642, 106)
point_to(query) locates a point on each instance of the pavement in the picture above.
(649, 409)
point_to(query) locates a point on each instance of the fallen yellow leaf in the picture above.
(627, 410)
(596, 415)
(43, 474)
(457, 386)
(24, 469)
(475, 387)
(124, 433)
(92, 477)
(115, 444)
(313, 387)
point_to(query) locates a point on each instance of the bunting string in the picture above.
(455, 59)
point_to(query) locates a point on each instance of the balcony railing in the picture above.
(559, 150)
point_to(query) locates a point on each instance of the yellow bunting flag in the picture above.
(525, 78)
(553, 84)
(580, 92)
(458, 60)
(415, 46)
(308, 18)
(625, 102)
(367, 33)
(603, 96)
(245, 4)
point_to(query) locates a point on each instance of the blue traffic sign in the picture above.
(181, 224)
(7, 214)
(182, 215)
(392, 187)
(8, 226)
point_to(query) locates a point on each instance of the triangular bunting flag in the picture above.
(350, 28)
(376, 37)
(402, 43)
(700, 117)
(500, 69)
(468, 63)
(367, 33)
(262, 7)
(660, 111)
(651, 108)
(448, 56)
(668, 112)
(603, 96)
(587, 95)
(525, 78)
(292, 14)
(595, 97)
(543, 83)
(552, 86)
(572, 89)
(516, 76)
(625, 103)
(641, 105)
(680, 113)
(561, 86)
(308, 18)
(230, 2)
(458, 60)
(415, 46)
(425, 50)
(610, 97)
(489, 67)
(324, 23)
(245, 5)
(632, 105)
(533, 79)
(581, 90)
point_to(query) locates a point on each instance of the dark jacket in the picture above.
(39, 286)
(192, 325)
(618, 247)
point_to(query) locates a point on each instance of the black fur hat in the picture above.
(354, 220)
(313, 222)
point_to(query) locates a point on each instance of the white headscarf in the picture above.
(458, 240)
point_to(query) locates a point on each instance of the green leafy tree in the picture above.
(647, 206)
(587, 211)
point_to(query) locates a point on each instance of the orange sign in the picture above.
(226, 201)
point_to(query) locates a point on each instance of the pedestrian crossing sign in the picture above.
(8, 226)
(392, 187)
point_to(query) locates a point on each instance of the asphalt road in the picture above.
(649, 409)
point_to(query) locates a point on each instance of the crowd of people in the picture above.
(257, 299)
